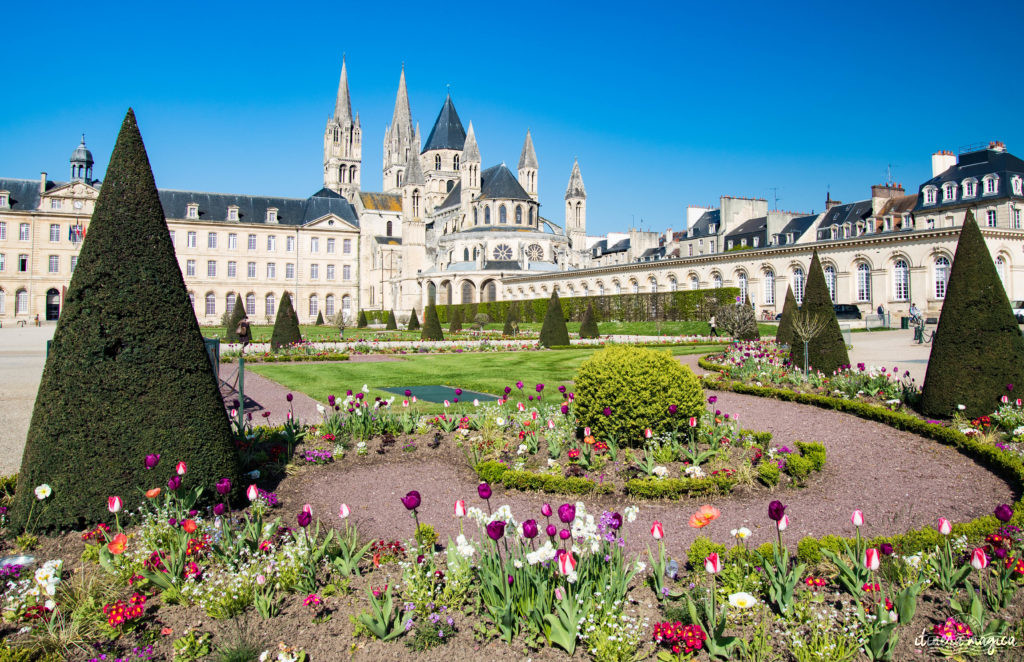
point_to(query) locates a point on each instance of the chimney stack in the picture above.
(42, 183)
(942, 161)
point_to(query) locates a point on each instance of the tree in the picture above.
(784, 335)
(553, 333)
(319, 319)
(738, 320)
(511, 321)
(588, 325)
(361, 322)
(978, 351)
(286, 325)
(127, 374)
(827, 350)
(414, 321)
(236, 315)
(431, 325)
(392, 324)
(455, 320)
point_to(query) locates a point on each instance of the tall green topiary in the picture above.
(236, 316)
(127, 374)
(455, 320)
(827, 351)
(978, 349)
(553, 332)
(392, 325)
(511, 320)
(588, 325)
(286, 325)
(638, 386)
(361, 323)
(319, 318)
(431, 325)
(414, 321)
(784, 335)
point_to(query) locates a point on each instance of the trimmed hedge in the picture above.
(431, 326)
(286, 325)
(674, 488)
(497, 473)
(237, 315)
(455, 321)
(553, 332)
(414, 321)
(588, 325)
(784, 334)
(511, 321)
(319, 319)
(392, 324)
(826, 351)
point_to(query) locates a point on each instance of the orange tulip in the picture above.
(153, 493)
(116, 546)
(704, 516)
(189, 525)
(589, 439)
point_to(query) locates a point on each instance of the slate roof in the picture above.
(381, 201)
(602, 247)
(454, 197)
(498, 182)
(975, 164)
(797, 227)
(24, 193)
(702, 227)
(388, 241)
(253, 208)
(842, 214)
(447, 132)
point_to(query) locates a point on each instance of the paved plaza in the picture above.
(23, 354)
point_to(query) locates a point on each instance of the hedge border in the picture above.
(492, 471)
(1002, 464)
(287, 358)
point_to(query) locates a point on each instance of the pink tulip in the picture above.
(713, 564)
(566, 562)
(871, 559)
(414, 399)
(460, 508)
(783, 523)
(288, 416)
(551, 424)
(180, 468)
(307, 509)
(648, 433)
(405, 403)
(693, 421)
(657, 531)
(343, 511)
(533, 415)
(234, 413)
(1004, 399)
(857, 518)
(978, 559)
(252, 493)
(447, 404)
(559, 593)
(114, 504)
(521, 406)
(586, 432)
(945, 526)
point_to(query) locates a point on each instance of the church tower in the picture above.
(401, 142)
(528, 167)
(576, 209)
(469, 169)
(343, 144)
(81, 164)
(442, 154)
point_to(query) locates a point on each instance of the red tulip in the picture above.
(657, 530)
(945, 526)
(460, 508)
(693, 421)
(189, 525)
(783, 523)
(180, 468)
(713, 564)
(114, 504)
(978, 559)
(857, 518)
(871, 559)
(252, 493)
(566, 562)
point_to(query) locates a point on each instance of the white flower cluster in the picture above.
(544, 554)
(660, 471)
(464, 547)
(694, 472)
(29, 592)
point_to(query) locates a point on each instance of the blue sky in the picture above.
(664, 105)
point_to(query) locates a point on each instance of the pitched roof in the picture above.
(899, 205)
(702, 227)
(447, 132)
(528, 159)
(575, 189)
(499, 182)
(24, 193)
(470, 150)
(851, 212)
(414, 171)
(381, 201)
(253, 208)
(454, 197)
(797, 227)
(976, 164)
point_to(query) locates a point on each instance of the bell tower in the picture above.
(343, 144)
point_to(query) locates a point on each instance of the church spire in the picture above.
(343, 104)
(470, 151)
(575, 189)
(528, 159)
(402, 117)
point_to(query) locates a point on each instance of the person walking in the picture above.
(244, 332)
(714, 326)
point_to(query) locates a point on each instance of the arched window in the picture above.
(456, 162)
(742, 279)
(830, 280)
(618, 287)
(449, 186)
(388, 229)
(437, 162)
(211, 304)
(653, 285)
(475, 219)
(416, 203)
(230, 302)
(716, 280)
(600, 289)
(342, 171)
(352, 175)
(1001, 269)
(250, 304)
(798, 285)
(3, 302)
(673, 284)
(634, 287)
(769, 288)
(863, 282)
(314, 306)
(579, 212)
(270, 305)
(530, 221)
(192, 300)
(694, 283)
(21, 302)
(901, 280)
(502, 215)
(398, 178)
(487, 215)
(346, 305)
(329, 305)
(941, 276)
(519, 214)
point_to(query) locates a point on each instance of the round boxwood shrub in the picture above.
(622, 390)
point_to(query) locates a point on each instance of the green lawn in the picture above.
(484, 372)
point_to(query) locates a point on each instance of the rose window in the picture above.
(503, 252)
(535, 252)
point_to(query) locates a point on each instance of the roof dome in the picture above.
(82, 154)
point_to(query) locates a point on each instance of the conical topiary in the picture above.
(236, 316)
(392, 325)
(455, 320)
(978, 352)
(511, 321)
(784, 335)
(361, 322)
(286, 325)
(588, 325)
(414, 321)
(319, 318)
(127, 374)
(431, 325)
(826, 351)
(553, 332)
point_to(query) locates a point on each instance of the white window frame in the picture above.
(769, 288)
(192, 210)
(289, 244)
(3, 230)
(270, 304)
(949, 192)
(53, 264)
(929, 195)
(232, 213)
(991, 218)
(970, 188)
(24, 232)
(232, 269)
(830, 280)
(190, 239)
(990, 185)
(211, 268)
(346, 272)
(232, 241)
(901, 280)
(314, 271)
(250, 242)
(941, 267)
(271, 242)
(54, 232)
(190, 268)
(314, 244)
(330, 272)
(289, 271)
(211, 240)
(250, 304)
(250, 270)
(211, 304)
(863, 282)
(271, 270)
(330, 245)
(346, 246)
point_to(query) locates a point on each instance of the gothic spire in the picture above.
(343, 105)
(401, 120)
(447, 132)
(414, 172)
(528, 159)
(470, 151)
(575, 188)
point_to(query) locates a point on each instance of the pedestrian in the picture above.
(244, 332)
(37, 320)
(714, 326)
(880, 311)
(915, 312)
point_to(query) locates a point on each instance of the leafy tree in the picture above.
(236, 315)
(827, 351)
(414, 321)
(392, 324)
(286, 325)
(361, 322)
(431, 325)
(978, 352)
(319, 318)
(739, 321)
(784, 335)
(553, 333)
(127, 374)
(588, 325)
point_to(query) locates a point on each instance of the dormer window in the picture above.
(970, 188)
(729, 246)
(272, 215)
(232, 212)
(5, 198)
(711, 229)
(743, 242)
(1017, 184)
(756, 241)
(789, 238)
(949, 192)
(990, 184)
(192, 211)
(929, 195)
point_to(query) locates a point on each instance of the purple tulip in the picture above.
(564, 534)
(289, 397)
(886, 549)
(223, 486)
(420, 559)
(672, 409)
(359, 396)
(408, 392)
(551, 530)
(511, 580)
(1000, 553)
(561, 389)
(173, 521)
(545, 510)
(540, 387)
(564, 409)
(615, 522)
(776, 510)
(572, 396)
(496, 529)
(1004, 513)
(530, 529)
(530, 398)
(607, 411)
(330, 400)
(152, 460)
(193, 512)
(174, 483)
(508, 389)
(411, 501)
(348, 392)
(219, 509)
(304, 518)
(567, 512)
(235, 404)
(519, 385)
(484, 490)
(712, 399)
(458, 391)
